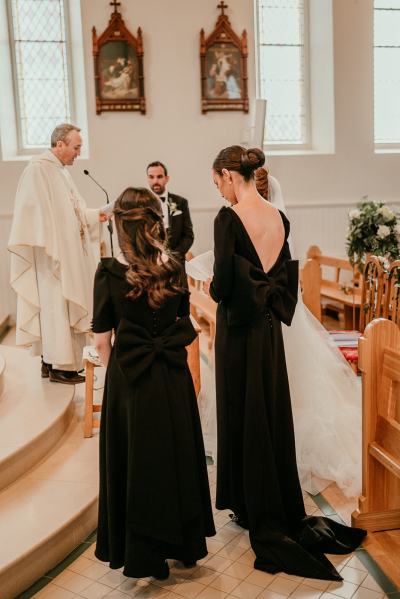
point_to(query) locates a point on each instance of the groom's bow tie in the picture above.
(162, 198)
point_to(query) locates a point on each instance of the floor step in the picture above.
(49, 511)
(34, 414)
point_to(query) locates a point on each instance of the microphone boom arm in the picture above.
(109, 223)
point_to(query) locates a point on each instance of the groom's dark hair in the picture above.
(157, 163)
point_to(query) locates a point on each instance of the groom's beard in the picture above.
(157, 188)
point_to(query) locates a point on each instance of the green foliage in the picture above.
(374, 228)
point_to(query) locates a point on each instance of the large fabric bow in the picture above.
(256, 292)
(136, 349)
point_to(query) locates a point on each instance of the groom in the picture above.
(177, 221)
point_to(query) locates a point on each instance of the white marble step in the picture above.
(47, 512)
(34, 414)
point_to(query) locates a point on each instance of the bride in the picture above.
(326, 394)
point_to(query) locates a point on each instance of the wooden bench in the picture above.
(90, 363)
(345, 295)
(391, 295)
(379, 361)
(311, 280)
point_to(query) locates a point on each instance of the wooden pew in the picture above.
(334, 289)
(374, 283)
(391, 298)
(379, 361)
(311, 280)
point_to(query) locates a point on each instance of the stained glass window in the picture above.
(41, 68)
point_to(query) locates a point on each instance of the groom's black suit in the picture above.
(180, 229)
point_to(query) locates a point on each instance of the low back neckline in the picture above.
(283, 217)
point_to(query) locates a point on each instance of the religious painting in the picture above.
(119, 71)
(118, 64)
(223, 60)
(224, 72)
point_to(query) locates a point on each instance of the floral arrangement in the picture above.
(374, 228)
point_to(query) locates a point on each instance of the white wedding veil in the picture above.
(326, 398)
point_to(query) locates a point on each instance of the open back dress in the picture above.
(257, 474)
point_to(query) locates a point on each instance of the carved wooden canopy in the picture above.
(118, 67)
(223, 61)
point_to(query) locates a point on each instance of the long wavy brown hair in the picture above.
(153, 269)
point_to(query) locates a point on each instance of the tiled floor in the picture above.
(226, 572)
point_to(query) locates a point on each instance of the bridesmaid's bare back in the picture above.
(265, 228)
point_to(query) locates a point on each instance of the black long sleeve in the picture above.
(224, 249)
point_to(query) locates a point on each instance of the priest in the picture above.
(54, 245)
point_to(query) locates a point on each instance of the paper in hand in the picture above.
(107, 209)
(200, 268)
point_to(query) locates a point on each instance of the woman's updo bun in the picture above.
(236, 158)
(251, 160)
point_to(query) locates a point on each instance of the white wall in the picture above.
(318, 189)
(314, 185)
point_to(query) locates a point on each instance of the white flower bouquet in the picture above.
(374, 228)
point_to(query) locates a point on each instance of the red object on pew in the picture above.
(347, 343)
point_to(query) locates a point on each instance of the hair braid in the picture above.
(141, 237)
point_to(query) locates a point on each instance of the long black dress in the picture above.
(154, 500)
(257, 474)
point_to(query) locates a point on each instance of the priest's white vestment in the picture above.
(55, 246)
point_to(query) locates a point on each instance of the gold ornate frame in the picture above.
(226, 42)
(118, 35)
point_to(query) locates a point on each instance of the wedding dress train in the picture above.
(326, 400)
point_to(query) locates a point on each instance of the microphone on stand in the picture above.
(109, 222)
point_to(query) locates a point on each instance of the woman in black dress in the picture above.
(255, 284)
(154, 500)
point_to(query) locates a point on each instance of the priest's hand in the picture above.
(106, 212)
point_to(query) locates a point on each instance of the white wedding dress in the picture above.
(326, 400)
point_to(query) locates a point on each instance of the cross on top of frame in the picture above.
(115, 4)
(222, 6)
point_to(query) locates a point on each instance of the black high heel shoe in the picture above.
(162, 573)
(237, 519)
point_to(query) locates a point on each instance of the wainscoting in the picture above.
(324, 225)
(319, 224)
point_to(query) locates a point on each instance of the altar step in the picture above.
(48, 473)
(48, 512)
(34, 413)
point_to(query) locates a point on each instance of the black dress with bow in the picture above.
(154, 500)
(257, 472)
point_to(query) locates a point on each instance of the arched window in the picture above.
(387, 73)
